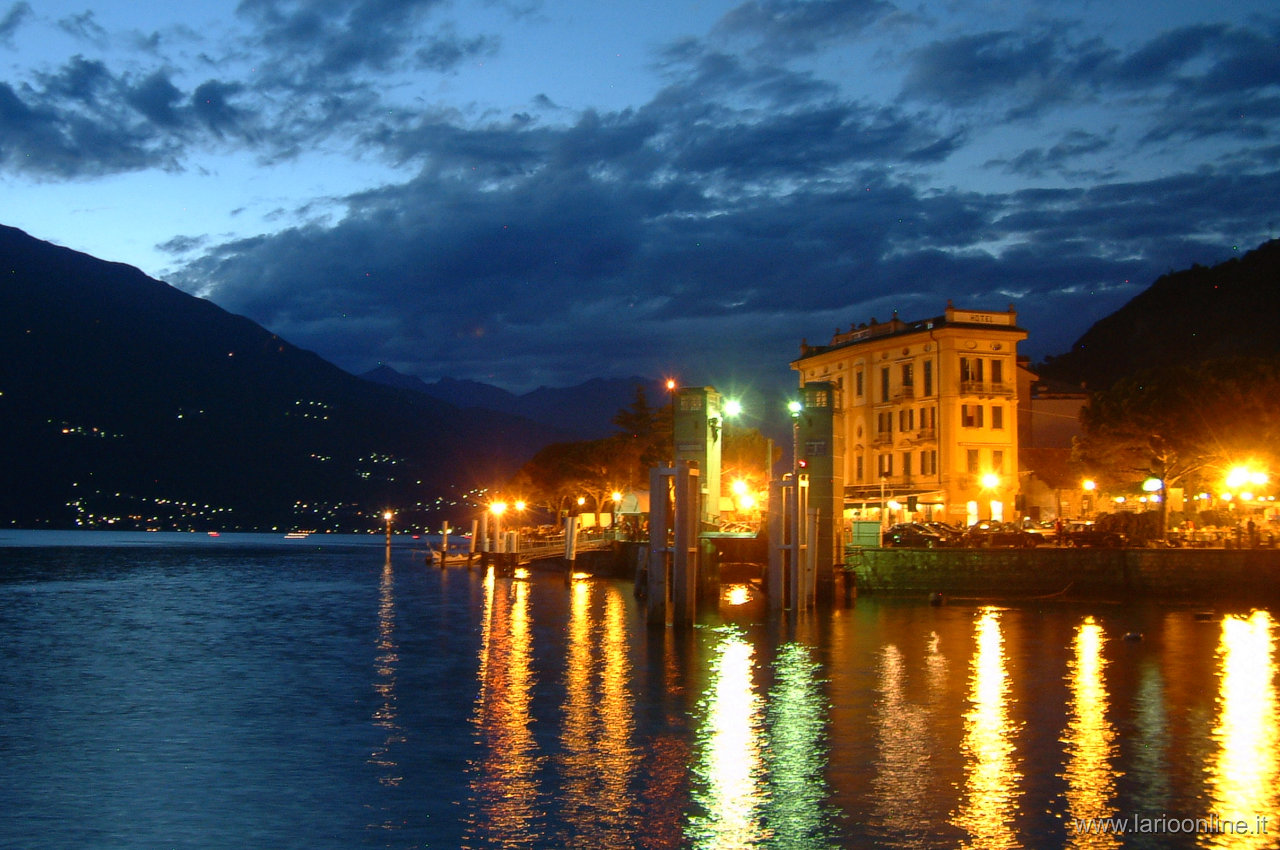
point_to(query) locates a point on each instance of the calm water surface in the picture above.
(183, 691)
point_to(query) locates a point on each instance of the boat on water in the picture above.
(452, 558)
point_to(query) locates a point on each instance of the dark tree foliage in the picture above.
(1185, 425)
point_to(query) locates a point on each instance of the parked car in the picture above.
(951, 536)
(1088, 534)
(912, 534)
(988, 533)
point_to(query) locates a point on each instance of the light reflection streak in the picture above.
(991, 790)
(796, 803)
(901, 786)
(1244, 773)
(599, 760)
(728, 765)
(505, 795)
(1089, 740)
(386, 714)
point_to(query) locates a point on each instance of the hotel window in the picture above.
(997, 372)
(857, 383)
(884, 383)
(928, 377)
(971, 369)
(929, 462)
(908, 375)
(858, 469)
(886, 465)
(997, 461)
(973, 461)
(884, 423)
(906, 463)
(971, 415)
(997, 416)
(928, 418)
(907, 419)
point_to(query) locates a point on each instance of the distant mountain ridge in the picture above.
(584, 411)
(126, 402)
(1183, 318)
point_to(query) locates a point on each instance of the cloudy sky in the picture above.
(533, 192)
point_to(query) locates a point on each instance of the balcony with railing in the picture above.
(986, 388)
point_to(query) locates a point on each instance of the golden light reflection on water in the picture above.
(1089, 740)
(599, 758)
(1244, 773)
(386, 714)
(991, 789)
(504, 786)
(902, 731)
(728, 763)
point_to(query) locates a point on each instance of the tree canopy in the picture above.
(1185, 425)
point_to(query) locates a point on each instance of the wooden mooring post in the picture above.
(674, 509)
(790, 580)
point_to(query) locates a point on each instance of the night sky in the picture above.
(534, 193)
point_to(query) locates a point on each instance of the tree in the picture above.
(644, 435)
(1182, 425)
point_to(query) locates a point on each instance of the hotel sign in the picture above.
(982, 318)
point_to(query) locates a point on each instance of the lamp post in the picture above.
(671, 401)
(795, 408)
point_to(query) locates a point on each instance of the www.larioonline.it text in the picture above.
(1166, 824)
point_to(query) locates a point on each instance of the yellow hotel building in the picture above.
(925, 415)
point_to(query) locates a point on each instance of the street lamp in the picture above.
(671, 403)
(386, 516)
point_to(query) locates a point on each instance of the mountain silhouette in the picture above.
(125, 402)
(1183, 318)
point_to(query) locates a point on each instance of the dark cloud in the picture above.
(789, 27)
(750, 203)
(584, 246)
(315, 44)
(446, 50)
(12, 20)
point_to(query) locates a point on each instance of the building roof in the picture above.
(953, 318)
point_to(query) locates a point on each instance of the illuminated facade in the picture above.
(928, 414)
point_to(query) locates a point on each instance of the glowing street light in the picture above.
(990, 481)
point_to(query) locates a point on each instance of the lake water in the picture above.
(245, 691)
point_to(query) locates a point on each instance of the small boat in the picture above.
(453, 558)
(297, 535)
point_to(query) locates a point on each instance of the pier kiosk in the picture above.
(697, 422)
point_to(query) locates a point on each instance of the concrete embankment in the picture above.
(1193, 576)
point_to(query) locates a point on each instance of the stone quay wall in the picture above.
(1191, 576)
